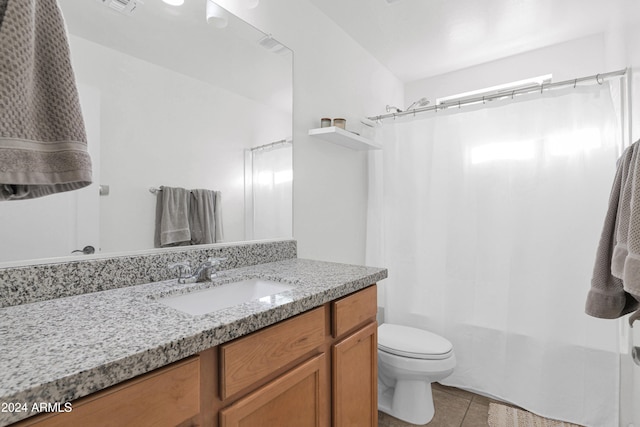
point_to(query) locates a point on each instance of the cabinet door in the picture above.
(296, 399)
(355, 379)
(169, 396)
(247, 360)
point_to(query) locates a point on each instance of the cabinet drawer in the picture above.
(165, 397)
(299, 398)
(249, 359)
(354, 310)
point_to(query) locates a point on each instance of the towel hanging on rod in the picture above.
(43, 143)
(187, 217)
(615, 283)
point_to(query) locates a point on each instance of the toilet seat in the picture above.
(413, 343)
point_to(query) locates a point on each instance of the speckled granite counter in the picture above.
(66, 348)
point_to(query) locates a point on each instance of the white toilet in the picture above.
(409, 360)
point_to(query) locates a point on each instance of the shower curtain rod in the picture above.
(272, 144)
(599, 78)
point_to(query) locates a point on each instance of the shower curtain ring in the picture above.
(458, 105)
(598, 79)
(541, 87)
(513, 93)
(483, 99)
(575, 82)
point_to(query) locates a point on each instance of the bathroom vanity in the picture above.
(297, 358)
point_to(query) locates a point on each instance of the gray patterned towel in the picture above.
(43, 145)
(615, 289)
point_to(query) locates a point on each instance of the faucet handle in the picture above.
(183, 267)
(214, 263)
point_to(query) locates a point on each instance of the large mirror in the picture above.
(183, 96)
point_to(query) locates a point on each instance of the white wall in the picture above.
(333, 77)
(159, 127)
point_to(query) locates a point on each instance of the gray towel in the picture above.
(609, 297)
(631, 273)
(43, 145)
(623, 215)
(218, 217)
(202, 217)
(172, 217)
(205, 217)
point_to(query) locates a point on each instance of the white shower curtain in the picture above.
(269, 192)
(488, 220)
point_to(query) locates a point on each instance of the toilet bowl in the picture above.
(409, 360)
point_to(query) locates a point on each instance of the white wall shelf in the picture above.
(345, 138)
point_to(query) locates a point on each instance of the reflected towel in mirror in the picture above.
(172, 217)
(205, 217)
(187, 217)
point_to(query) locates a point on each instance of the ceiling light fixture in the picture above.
(174, 2)
(126, 7)
(216, 15)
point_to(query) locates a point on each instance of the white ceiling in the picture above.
(229, 58)
(421, 38)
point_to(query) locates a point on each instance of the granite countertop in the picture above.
(62, 349)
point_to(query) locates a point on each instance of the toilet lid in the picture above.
(412, 342)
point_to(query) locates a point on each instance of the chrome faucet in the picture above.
(204, 273)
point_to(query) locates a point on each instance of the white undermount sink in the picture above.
(223, 296)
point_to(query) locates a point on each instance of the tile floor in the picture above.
(454, 408)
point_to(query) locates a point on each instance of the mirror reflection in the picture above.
(183, 96)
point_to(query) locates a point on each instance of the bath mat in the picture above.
(506, 416)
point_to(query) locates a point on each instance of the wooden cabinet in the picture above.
(316, 369)
(355, 379)
(355, 359)
(169, 396)
(328, 354)
(295, 399)
(279, 375)
(249, 359)
(354, 311)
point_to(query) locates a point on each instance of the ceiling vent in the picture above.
(126, 7)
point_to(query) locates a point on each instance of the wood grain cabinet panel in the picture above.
(169, 396)
(295, 399)
(355, 379)
(249, 359)
(353, 310)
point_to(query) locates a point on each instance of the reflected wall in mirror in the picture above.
(170, 98)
